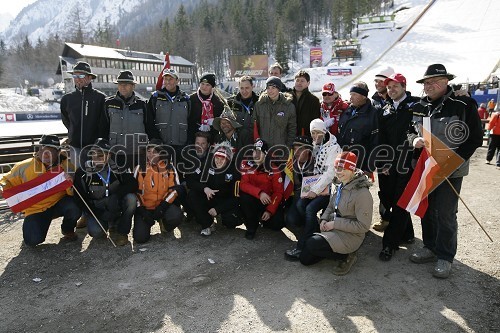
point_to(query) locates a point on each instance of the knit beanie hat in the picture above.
(208, 78)
(317, 125)
(346, 160)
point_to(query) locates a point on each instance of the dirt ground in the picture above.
(171, 285)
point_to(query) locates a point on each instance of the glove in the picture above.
(160, 210)
(204, 128)
(210, 121)
(329, 122)
(146, 214)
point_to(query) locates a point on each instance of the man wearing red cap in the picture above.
(331, 108)
(393, 176)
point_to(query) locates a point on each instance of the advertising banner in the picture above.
(339, 71)
(316, 57)
(37, 116)
(252, 65)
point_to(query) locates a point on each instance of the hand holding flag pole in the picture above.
(91, 212)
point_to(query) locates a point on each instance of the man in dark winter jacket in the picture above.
(109, 193)
(441, 108)
(306, 104)
(393, 176)
(358, 125)
(131, 124)
(82, 113)
(206, 104)
(243, 102)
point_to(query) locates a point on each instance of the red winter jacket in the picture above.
(255, 180)
(334, 112)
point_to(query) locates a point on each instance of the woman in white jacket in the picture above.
(325, 151)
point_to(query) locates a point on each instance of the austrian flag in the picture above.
(414, 197)
(25, 195)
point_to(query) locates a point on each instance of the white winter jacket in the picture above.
(324, 157)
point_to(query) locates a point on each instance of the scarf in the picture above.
(207, 109)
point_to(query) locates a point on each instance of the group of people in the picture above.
(283, 158)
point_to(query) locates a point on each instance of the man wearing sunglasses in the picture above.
(82, 112)
(331, 108)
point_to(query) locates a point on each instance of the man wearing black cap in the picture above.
(206, 104)
(40, 212)
(455, 122)
(358, 125)
(108, 192)
(275, 116)
(130, 123)
(82, 112)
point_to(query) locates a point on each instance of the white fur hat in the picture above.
(317, 125)
(385, 73)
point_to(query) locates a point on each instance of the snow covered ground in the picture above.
(12, 101)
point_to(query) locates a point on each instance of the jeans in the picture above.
(36, 226)
(142, 227)
(316, 248)
(293, 222)
(123, 223)
(439, 224)
(308, 210)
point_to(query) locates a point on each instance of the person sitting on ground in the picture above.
(345, 221)
(214, 194)
(108, 192)
(325, 150)
(156, 194)
(39, 214)
(261, 192)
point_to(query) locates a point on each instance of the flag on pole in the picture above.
(414, 197)
(25, 195)
(288, 183)
(166, 64)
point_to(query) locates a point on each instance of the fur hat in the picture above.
(261, 145)
(82, 67)
(436, 70)
(228, 115)
(317, 125)
(384, 73)
(208, 78)
(223, 150)
(346, 160)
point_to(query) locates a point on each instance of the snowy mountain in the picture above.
(5, 19)
(46, 17)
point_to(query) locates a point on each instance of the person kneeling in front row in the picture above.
(346, 219)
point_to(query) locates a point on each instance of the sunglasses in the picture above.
(327, 94)
(79, 76)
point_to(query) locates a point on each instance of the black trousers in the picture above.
(200, 206)
(315, 249)
(252, 211)
(400, 226)
(494, 146)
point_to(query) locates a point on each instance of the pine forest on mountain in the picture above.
(206, 34)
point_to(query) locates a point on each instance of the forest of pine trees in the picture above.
(207, 35)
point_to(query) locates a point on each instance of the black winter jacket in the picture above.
(243, 109)
(306, 109)
(82, 113)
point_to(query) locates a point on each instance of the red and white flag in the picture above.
(166, 64)
(414, 197)
(25, 195)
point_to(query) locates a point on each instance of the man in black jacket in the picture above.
(109, 193)
(394, 121)
(82, 113)
(306, 104)
(243, 102)
(455, 122)
(358, 126)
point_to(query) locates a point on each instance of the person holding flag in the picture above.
(41, 189)
(453, 132)
(325, 151)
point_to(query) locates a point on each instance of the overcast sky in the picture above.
(14, 7)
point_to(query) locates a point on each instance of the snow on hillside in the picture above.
(11, 101)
